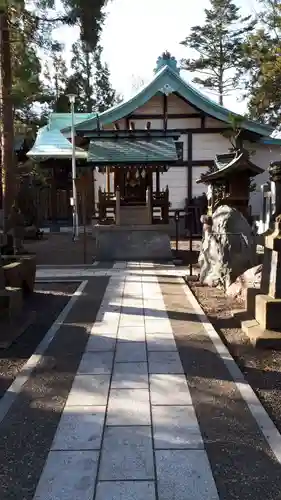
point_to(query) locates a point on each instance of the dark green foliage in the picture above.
(219, 44)
(262, 65)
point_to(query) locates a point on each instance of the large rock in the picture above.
(228, 248)
(249, 279)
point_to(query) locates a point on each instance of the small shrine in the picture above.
(229, 182)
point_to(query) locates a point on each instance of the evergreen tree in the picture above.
(89, 15)
(262, 65)
(60, 74)
(219, 44)
(105, 95)
(90, 80)
(81, 81)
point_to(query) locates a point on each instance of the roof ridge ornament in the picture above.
(166, 59)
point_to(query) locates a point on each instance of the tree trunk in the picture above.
(89, 104)
(221, 70)
(7, 131)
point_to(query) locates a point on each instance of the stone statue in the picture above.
(228, 247)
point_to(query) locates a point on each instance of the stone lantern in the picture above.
(229, 183)
(265, 329)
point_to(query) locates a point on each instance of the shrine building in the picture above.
(146, 153)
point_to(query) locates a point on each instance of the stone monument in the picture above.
(228, 245)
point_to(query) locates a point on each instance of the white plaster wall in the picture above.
(198, 189)
(176, 179)
(100, 180)
(207, 146)
(262, 156)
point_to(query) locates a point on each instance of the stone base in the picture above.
(267, 312)
(11, 301)
(250, 300)
(12, 328)
(259, 337)
(151, 242)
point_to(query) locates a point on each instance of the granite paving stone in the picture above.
(184, 475)
(134, 333)
(128, 407)
(164, 362)
(125, 490)
(160, 342)
(101, 342)
(105, 327)
(130, 351)
(127, 454)
(154, 326)
(89, 390)
(93, 363)
(130, 375)
(107, 441)
(169, 389)
(175, 427)
(131, 320)
(80, 428)
(68, 475)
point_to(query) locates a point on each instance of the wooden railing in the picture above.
(158, 200)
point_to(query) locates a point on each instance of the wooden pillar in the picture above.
(53, 196)
(93, 193)
(149, 203)
(117, 207)
(108, 179)
(157, 181)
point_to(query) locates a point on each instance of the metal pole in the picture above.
(191, 244)
(74, 190)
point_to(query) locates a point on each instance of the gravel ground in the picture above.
(262, 368)
(28, 429)
(47, 301)
(242, 463)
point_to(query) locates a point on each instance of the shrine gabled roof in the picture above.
(167, 80)
(231, 162)
(53, 144)
(133, 151)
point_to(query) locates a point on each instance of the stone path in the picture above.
(135, 402)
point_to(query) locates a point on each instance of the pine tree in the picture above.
(81, 81)
(105, 95)
(262, 65)
(90, 80)
(89, 15)
(219, 44)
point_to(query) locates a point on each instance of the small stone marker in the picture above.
(265, 330)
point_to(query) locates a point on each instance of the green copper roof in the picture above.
(53, 144)
(161, 150)
(167, 80)
(60, 121)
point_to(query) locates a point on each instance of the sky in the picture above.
(136, 32)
